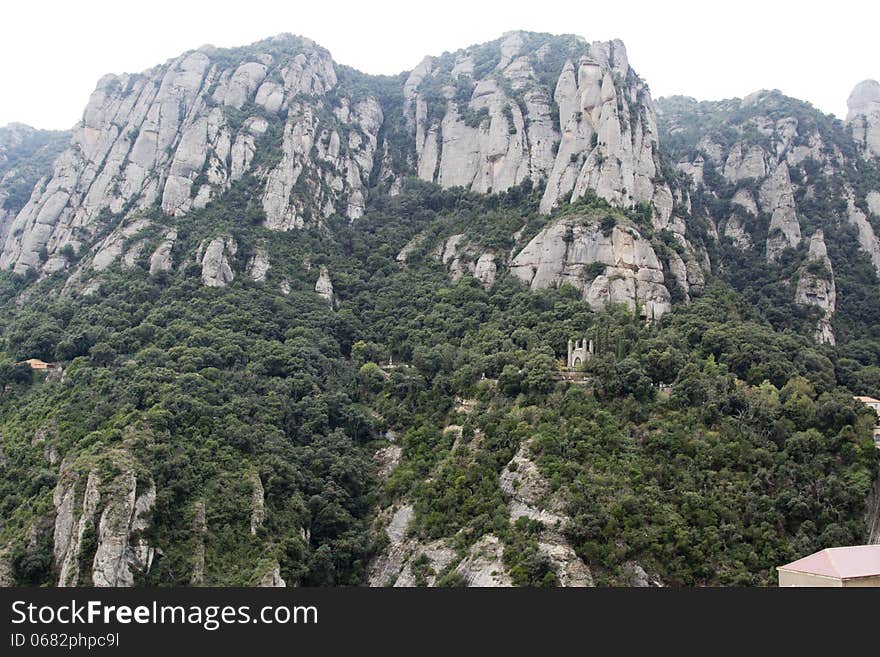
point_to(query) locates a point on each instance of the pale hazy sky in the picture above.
(52, 52)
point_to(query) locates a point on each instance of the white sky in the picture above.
(52, 52)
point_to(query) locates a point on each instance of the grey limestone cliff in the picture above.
(561, 110)
(816, 286)
(863, 117)
(105, 515)
(626, 268)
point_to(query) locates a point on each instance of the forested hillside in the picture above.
(320, 358)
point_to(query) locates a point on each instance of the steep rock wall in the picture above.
(568, 250)
(567, 112)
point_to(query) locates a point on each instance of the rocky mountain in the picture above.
(863, 117)
(26, 156)
(312, 137)
(765, 175)
(178, 135)
(561, 110)
(307, 326)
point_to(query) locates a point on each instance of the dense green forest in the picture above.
(710, 446)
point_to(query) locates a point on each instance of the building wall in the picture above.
(794, 578)
(862, 582)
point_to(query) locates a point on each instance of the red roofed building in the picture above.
(856, 565)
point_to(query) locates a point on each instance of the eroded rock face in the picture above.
(122, 551)
(331, 158)
(73, 515)
(124, 144)
(572, 250)
(258, 266)
(409, 248)
(777, 199)
(111, 248)
(529, 495)
(272, 579)
(868, 240)
(161, 259)
(394, 567)
(767, 155)
(26, 156)
(634, 575)
(485, 270)
(174, 136)
(488, 129)
(745, 165)
(258, 504)
(324, 286)
(461, 257)
(409, 561)
(816, 286)
(115, 534)
(483, 565)
(864, 117)
(216, 260)
(6, 578)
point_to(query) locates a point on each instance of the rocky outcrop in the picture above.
(396, 564)
(111, 248)
(408, 248)
(182, 133)
(868, 240)
(816, 287)
(483, 565)
(74, 514)
(258, 265)
(6, 578)
(161, 259)
(272, 579)
(258, 504)
(330, 159)
(485, 270)
(324, 286)
(588, 127)
(767, 154)
(872, 200)
(553, 109)
(215, 258)
(387, 459)
(121, 149)
(863, 117)
(406, 560)
(529, 496)
(777, 199)
(686, 270)
(26, 156)
(614, 266)
(636, 576)
(745, 165)
(462, 257)
(120, 550)
(744, 208)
